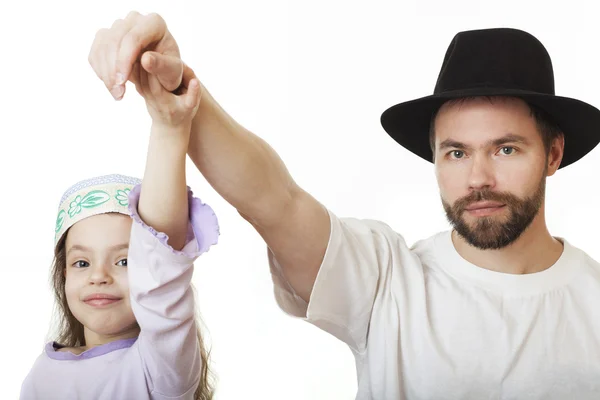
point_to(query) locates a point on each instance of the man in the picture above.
(496, 308)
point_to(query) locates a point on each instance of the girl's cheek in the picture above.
(123, 278)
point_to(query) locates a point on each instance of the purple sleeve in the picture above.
(162, 298)
(203, 225)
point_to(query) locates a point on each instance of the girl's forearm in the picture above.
(163, 201)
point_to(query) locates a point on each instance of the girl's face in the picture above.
(97, 286)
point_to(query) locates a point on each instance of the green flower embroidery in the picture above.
(123, 197)
(60, 220)
(90, 200)
(75, 206)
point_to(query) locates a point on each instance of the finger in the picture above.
(194, 93)
(188, 75)
(117, 32)
(145, 85)
(168, 69)
(192, 97)
(135, 78)
(96, 56)
(146, 30)
(156, 88)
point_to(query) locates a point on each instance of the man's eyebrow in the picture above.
(451, 143)
(116, 247)
(510, 138)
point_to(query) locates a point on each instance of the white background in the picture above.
(311, 78)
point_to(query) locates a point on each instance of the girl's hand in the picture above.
(169, 110)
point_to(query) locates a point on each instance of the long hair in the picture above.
(70, 331)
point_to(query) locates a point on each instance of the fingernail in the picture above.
(117, 91)
(120, 79)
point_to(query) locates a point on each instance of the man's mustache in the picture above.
(484, 195)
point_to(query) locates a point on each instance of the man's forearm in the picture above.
(239, 165)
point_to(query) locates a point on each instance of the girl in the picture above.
(124, 253)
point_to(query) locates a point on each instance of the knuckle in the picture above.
(101, 33)
(118, 23)
(132, 15)
(102, 42)
(155, 18)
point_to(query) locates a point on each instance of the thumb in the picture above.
(167, 69)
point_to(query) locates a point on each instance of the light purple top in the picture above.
(163, 361)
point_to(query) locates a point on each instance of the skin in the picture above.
(238, 164)
(97, 263)
(163, 204)
(470, 167)
(251, 176)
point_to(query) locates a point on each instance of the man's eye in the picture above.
(510, 150)
(457, 153)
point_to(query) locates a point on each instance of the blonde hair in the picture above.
(70, 331)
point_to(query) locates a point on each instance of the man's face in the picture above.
(491, 168)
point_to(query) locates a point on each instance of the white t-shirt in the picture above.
(423, 323)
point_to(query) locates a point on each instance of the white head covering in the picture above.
(99, 195)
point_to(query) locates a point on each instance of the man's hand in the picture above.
(117, 51)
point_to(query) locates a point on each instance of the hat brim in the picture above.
(408, 122)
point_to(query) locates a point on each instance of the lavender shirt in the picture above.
(163, 361)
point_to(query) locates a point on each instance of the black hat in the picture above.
(496, 62)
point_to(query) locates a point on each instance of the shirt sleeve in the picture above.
(162, 298)
(356, 269)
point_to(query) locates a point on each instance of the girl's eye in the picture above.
(81, 264)
(122, 263)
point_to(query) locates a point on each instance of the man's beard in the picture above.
(495, 232)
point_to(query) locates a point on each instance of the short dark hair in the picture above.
(548, 129)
